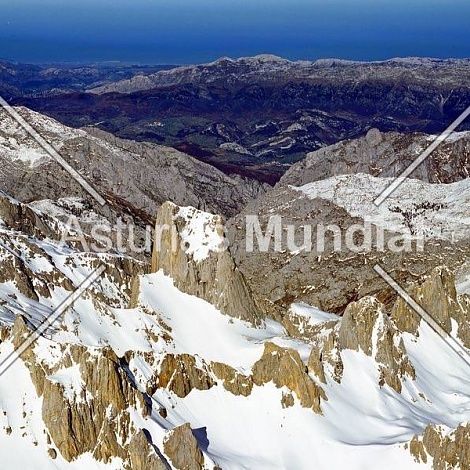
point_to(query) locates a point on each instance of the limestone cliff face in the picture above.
(447, 449)
(182, 448)
(438, 296)
(181, 374)
(190, 247)
(364, 327)
(93, 415)
(285, 368)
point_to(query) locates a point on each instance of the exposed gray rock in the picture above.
(329, 279)
(386, 155)
(133, 176)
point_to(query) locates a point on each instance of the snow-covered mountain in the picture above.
(386, 155)
(141, 375)
(202, 355)
(415, 209)
(142, 174)
(271, 68)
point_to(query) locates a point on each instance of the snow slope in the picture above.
(362, 425)
(429, 210)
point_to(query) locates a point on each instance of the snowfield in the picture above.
(362, 425)
(415, 208)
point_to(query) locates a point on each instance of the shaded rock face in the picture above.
(446, 449)
(211, 275)
(143, 457)
(183, 450)
(22, 218)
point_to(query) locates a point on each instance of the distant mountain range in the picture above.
(193, 351)
(251, 116)
(18, 79)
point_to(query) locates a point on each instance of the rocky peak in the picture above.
(366, 327)
(190, 246)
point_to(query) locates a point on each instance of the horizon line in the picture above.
(237, 58)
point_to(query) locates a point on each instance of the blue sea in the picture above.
(193, 31)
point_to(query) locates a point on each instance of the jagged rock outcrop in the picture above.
(182, 448)
(26, 229)
(365, 326)
(181, 374)
(377, 330)
(191, 248)
(232, 380)
(443, 449)
(86, 400)
(22, 218)
(131, 359)
(141, 456)
(438, 296)
(285, 368)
